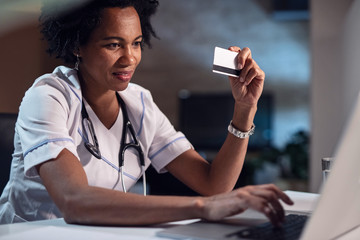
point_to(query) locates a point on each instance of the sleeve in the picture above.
(167, 143)
(42, 126)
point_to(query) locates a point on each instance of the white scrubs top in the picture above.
(50, 120)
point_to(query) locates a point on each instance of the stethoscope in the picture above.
(92, 144)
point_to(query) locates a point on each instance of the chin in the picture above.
(121, 88)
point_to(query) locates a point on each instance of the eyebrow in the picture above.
(119, 38)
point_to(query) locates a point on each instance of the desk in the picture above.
(58, 229)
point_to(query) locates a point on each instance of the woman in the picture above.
(72, 133)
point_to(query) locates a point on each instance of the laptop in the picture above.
(337, 211)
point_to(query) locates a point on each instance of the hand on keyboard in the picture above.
(263, 198)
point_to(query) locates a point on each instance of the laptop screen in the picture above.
(338, 209)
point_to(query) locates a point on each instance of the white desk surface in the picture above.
(59, 229)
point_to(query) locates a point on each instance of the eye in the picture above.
(138, 44)
(112, 45)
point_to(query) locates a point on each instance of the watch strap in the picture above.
(239, 134)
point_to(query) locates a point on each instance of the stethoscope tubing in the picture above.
(95, 150)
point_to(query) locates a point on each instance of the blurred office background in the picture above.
(303, 46)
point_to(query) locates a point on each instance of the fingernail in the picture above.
(240, 66)
(242, 79)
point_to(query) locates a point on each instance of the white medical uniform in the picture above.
(50, 120)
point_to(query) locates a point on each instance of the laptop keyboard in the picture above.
(290, 229)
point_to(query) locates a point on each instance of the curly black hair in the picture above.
(65, 29)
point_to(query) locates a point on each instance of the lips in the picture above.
(124, 76)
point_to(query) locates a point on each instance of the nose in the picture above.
(127, 57)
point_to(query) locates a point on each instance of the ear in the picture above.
(76, 52)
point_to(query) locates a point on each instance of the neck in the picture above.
(104, 105)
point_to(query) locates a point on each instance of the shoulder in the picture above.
(60, 87)
(62, 81)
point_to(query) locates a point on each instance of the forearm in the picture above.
(227, 165)
(84, 204)
(246, 90)
(108, 207)
(95, 205)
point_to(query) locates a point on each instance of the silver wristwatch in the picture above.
(240, 134)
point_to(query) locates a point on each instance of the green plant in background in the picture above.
(292, 160)
(268, 155)
(297, 151)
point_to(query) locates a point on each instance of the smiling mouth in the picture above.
(123, 76)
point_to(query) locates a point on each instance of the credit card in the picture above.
(225, 62)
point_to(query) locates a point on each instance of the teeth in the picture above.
(121, 73)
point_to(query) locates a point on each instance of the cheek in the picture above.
(100, 63)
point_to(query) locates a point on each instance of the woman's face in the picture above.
(113, 51)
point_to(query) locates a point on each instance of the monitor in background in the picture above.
(204, 118)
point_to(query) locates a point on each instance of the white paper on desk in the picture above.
(304, 203)
(61, 233)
